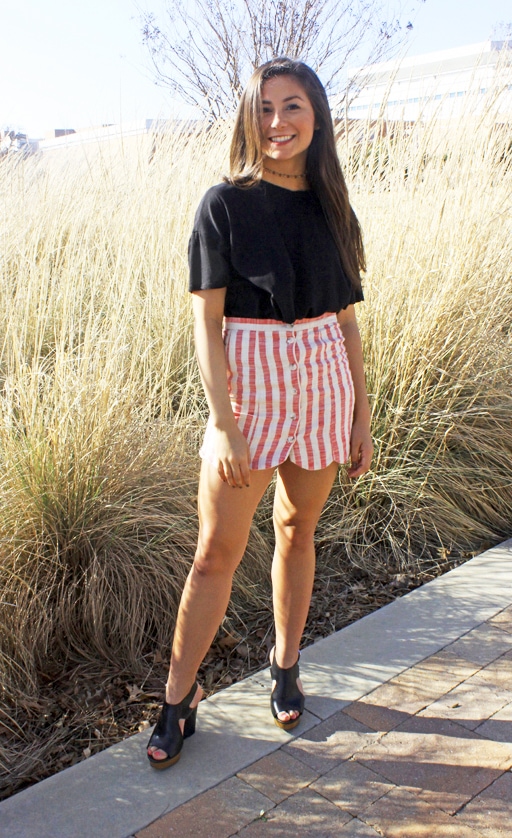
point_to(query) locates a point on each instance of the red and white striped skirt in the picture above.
(291, 391)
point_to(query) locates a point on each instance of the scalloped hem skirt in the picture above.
(291, 391)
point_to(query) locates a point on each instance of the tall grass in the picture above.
(437, 337)
(101, 408)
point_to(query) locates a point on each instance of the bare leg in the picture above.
(225, 516)
(299, 500)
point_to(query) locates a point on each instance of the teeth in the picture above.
(281, 139)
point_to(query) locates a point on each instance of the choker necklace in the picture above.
(282, 174)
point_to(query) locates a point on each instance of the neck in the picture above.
(301, 176)
(295, 180)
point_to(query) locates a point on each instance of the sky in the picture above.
(81, 63)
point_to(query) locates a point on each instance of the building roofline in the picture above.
(481, 48)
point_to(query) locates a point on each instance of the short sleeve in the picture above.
(351, 294)
(357, 295)
(209, 245)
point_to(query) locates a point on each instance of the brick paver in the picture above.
(278, 776)
(215, 814)
(439, 760)
(491, 811)
(478, 698)
(499, 726)
(358, 829)
(329, 743)
(426, 754)
(352, 786)
(438, 674)
(402, 815)
(305, 815)
(482, 645)
(503, 620)
(389, 706)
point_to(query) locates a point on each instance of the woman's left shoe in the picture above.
(286, 696)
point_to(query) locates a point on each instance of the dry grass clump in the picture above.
(101, 408)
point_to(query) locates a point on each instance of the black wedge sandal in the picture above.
(167, 735)
(286, 696)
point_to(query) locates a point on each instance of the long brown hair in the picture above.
(322, 165)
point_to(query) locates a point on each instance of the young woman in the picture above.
(275, 259)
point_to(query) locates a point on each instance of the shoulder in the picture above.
(222, 203)
(211, 209)
(212, 197)
(228, 195)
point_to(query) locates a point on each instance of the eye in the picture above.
(293, 106)
(266, 109)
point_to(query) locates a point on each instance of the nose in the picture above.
(276, 119)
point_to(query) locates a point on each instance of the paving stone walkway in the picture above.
(426, 754)
(408, 734)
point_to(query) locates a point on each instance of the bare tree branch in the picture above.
(204, 51)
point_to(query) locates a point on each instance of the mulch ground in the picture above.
(90, 708)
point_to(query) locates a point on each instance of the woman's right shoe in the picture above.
(167, 735)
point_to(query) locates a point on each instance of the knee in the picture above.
(214, 559)
(295, 532)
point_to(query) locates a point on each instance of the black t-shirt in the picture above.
(272, 249)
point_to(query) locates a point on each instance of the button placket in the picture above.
(291, 340)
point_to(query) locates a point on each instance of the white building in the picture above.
(441, 84)
(101, 134)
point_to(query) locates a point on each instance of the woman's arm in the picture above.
(231, 446)
(361, 445)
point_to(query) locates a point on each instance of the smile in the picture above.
(281, 139)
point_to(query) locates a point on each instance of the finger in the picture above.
(356, 454)
(367, 456)
(228, 475)
(222, 474)
(245, 473)
(361, 467)
(355, 472)
(237, 476)
(232, 473)
(366, 461)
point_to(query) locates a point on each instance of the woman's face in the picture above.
(287, 122)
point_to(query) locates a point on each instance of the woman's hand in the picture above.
(361, 449)
(361, 445)
(232, 453)
(230, 445)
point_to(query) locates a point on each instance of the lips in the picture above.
(281, 140)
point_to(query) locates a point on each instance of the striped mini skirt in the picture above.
(291, 391)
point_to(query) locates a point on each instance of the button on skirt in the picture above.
(291, 391)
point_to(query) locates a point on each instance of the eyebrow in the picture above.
(295, 96)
